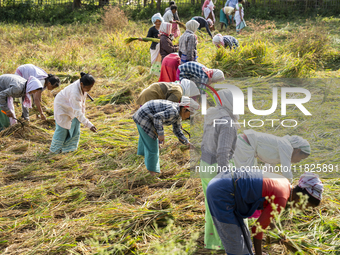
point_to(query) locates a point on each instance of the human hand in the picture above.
(140, 39)
(43, 117)
(93, 129)
(9, 114)
(161, 138)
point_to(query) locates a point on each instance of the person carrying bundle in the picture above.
(166, 45)
(188, 42)
(200, 74)
(150, 119)
(234, 196)
(49, 82)
(168, 91)
(225, 41)
(171, 16)
(14, 86)
(207, 23)
(69, 112)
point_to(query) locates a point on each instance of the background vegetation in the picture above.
(100, 199)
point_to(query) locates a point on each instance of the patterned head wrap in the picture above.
(210, 22)
(312, 184)
(218, 39)
(165, 28)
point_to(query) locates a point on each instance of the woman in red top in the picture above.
(235, 196)
(169, 68)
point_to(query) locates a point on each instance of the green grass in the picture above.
(100, 199)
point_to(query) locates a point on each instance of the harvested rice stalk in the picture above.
(147, 39)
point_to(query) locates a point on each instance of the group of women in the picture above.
(230, 196)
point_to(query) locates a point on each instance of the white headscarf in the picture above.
(165, 28)
(219, 111)
(298, 142)
(312, 184)
(189, 88)
(32, 84)
(217, 76)
(156, 17)
(218, 39)
(189, 103)
(210, 22)
(192, 25)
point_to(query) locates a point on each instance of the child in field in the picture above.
(239, 15)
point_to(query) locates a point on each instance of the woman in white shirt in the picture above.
(48, 81)
(69, 112)
(271, 150)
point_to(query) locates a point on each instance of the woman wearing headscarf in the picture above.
(239, 16)
(208, 12)
(14, 86)
(218, 146)
(225, 41)
(234, 196)
(49, 82)
(169, 68)
(271, 150)
(153, 32)
(200, 74)
(166, 45)
(69, 112)
(150, 119)
(168, 91)
(207, 23)
(171, 16)
(188, 42)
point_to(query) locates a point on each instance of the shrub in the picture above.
(114, 18)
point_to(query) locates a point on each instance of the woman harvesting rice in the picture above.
(69, 112)
(14, 86)
(49, 81)
(225, 41)
(226, 16)
(168, 91)
(218, 146)
(208, 12)
(153, 32)
(169, 68)
(235, 196)
(166, 46)
(270, 149)
(207, 23)
(188, 42)
(200, 74)
(150, 119)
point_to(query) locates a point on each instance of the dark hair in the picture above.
(240, 1)
(54, 80)
(172, 3)
(314, 201)
(87, 79)
(173, 7)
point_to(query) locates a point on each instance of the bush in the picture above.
(114, 18)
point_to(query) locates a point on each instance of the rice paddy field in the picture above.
(100, 199)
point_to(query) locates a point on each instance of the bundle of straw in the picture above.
(147, 39)
(181, 25)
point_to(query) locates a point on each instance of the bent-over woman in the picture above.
(150, 119)
(49, 82)
(235, 196)
(169, 68)
(188, 42)
(207, 23)
(218, 146)
(168, 91)
(200, 74)
(69, 112)
(14, 86)
(225, 41)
